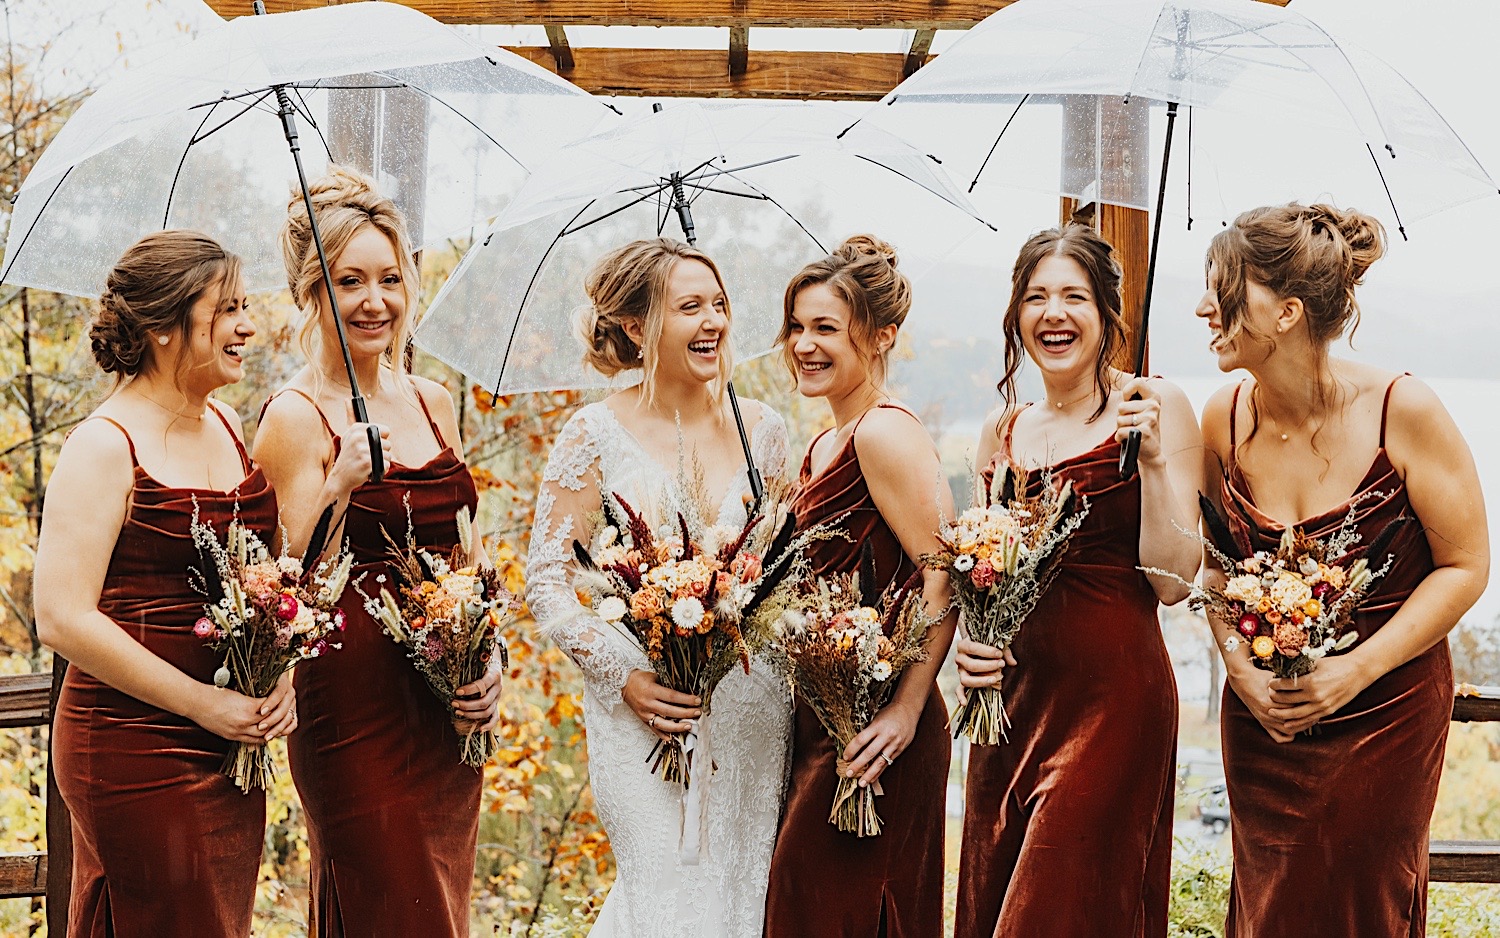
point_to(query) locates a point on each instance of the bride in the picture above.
(659, 305)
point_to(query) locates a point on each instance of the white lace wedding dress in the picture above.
(659, 890)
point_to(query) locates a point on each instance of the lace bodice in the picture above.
(663, 888)
(593, 452)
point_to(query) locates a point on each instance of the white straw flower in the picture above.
(612, 609)
(963, 563)
(687, 612)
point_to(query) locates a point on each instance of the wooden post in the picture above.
(1114, 135)
(59, 825)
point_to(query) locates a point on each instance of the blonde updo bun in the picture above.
(1316, 253)
(151, 292)
(630, 284)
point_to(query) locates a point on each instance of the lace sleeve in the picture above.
(568, 496)
(772, 449)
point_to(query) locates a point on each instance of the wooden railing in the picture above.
(26, 700)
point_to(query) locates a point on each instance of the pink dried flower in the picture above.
(983, 575)
(204, 628)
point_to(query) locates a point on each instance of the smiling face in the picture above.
(827, 358)
(218, 327)
(1060, 323)
(371, 293)
(694, 326)
(1249, 342)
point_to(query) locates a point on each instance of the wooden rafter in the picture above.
(701, 73)
(739, 50)
(916, 56)
(557, 44)
(870, 14)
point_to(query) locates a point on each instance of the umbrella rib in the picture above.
(306, 113)
(182, 161)
(463, 117)
(1381, 173)
(24, 238)
(892, 169)
(980, 172)
(568, 229)
(521, 306)
(199, 136)
(796, 221)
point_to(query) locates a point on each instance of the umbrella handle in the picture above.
(377, 457)
(1129, 454)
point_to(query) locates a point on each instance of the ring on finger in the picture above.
(888, 759)
(651, 723)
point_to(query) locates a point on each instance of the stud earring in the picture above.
(640, 352)
(163, 339)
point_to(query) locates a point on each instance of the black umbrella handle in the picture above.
(757, 485)
(361, 415)
(1131, 451)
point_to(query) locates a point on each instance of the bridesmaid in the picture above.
(878, 470)
(163, 843)
(1068, 826)
(392, 814)
(1330, 827)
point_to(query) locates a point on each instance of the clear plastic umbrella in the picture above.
(1276, 109)
(194, 140)
(207, 138)
(763, 189)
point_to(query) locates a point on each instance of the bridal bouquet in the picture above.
(1292, 606)
(448, 613)
(697, 598)
(1000, 557)
(843, 651)
(264, 615)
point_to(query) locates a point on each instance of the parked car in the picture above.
(1213, 808)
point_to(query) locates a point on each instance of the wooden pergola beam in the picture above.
(839, 14)
(557, 44)
(916, 56)
(739, 50)
(701, 73)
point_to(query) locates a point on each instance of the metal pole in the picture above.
(1130, 452)
(361, 414)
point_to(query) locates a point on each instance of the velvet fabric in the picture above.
(1331, 830)
(392, 814)
(1068, 826)
(164, 844)
(825, 883)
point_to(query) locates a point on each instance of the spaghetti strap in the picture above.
(1010, 428)
(244, 456)
(302, 394)
(422, 402)
(878, 407)
(1385, 406)
(1234, 409)
(135, 463)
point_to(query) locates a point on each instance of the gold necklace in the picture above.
(1062, 404)
(175, 413)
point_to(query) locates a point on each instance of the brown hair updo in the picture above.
(1316, 253)
(151, 292)
(630, 283)
(1089, 250)
(346, 202)
(861, 272)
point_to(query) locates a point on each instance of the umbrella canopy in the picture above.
(1278, 108)
(194, 140)
(769, 188)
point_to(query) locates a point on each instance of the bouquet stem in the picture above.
(249, 767)
(982, 717)
(671, 761)
(477, 745)
(854, 808)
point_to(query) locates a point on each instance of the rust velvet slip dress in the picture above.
(392, 815)
(1331, 830)
(825, 883)
(164, 845)
(1068, 826)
